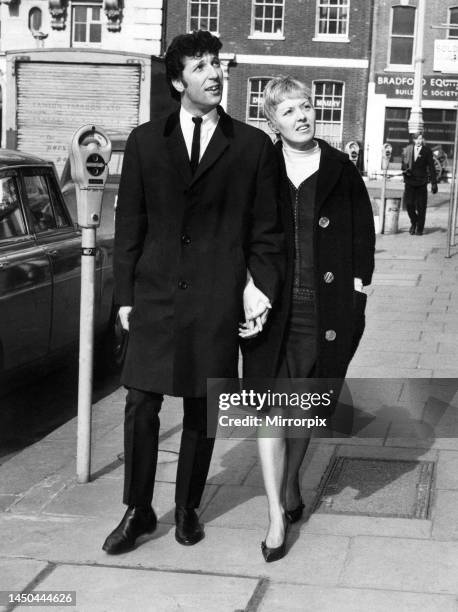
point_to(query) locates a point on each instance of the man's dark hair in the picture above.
(187, 45)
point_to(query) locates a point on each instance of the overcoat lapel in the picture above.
(218, 144)
(179, 154)
(177, 147)
(216, 147)
(329, 171)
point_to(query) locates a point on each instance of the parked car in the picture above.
(40, 269)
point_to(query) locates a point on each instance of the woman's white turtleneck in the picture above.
(301, 164)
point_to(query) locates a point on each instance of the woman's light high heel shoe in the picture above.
(292, 516)
(274, 554)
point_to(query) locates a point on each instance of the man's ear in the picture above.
(272, 126)
(178, 84)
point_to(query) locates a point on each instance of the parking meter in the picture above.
(90, 152)
(352, 150)
(387, 150)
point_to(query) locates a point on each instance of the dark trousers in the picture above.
(415, 199)
(141, 439)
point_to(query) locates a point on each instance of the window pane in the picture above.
(401, 50)
(61, 217)
(403, 20)
(39, 203)
(95, 33)
(80, 13)
(95, 14)
(11, 221)
(397, 113)
(80, 32)
(35, 19)
(453, 19)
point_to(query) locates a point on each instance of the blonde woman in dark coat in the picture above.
(315, 330)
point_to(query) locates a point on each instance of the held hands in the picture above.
(256, 306)
(123, 314)
(433, 188)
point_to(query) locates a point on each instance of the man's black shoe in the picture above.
(188, 531)
(412, 229)
(136, 522)
(419, 232)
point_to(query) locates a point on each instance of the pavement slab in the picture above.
(289, 598)
(447, 471)
(311, 558)
(445, 516)
(350, 526)
(401, 564)
(107, 589)
(16, 574)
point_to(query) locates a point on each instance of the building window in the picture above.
(402, 35)
(86, 24)
(35, 19)
(267, 18)
(439, 129)
(254, 115)
(328, 103)
(332, 18)
(453, 20)
(203, 15)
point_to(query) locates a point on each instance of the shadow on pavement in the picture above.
(40, 402)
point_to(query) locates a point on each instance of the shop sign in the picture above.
(335, 103)
(446, 55)
(400, 85)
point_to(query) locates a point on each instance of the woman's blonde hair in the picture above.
(278, 89)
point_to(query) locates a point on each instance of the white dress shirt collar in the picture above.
(209, 123)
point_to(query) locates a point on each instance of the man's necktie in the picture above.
(195, 148)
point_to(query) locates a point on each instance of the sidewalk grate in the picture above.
(376, 487)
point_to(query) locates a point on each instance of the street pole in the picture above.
(383, 202)
(451, 226)
(83, 456)
(455, 191)
(416, 116)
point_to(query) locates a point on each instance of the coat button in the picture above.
(328, 277)
(185, 239)
(183, 285)
(323, 222)
(330, 335)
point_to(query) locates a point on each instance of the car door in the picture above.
(57, 235)
(25, 282)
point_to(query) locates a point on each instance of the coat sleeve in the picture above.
(266, 257)
(130, 225)
(431, 168)
(363, 228)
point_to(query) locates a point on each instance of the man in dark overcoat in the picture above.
(418, 168)
(197, 208)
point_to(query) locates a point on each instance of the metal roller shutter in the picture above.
(55, 99)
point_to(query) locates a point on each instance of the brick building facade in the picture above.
(391, 77)
(326, 43)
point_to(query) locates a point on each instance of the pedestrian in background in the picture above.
(418, 169)
(197, 210)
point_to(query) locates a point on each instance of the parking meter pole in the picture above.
(382, 203)
(83, 466)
